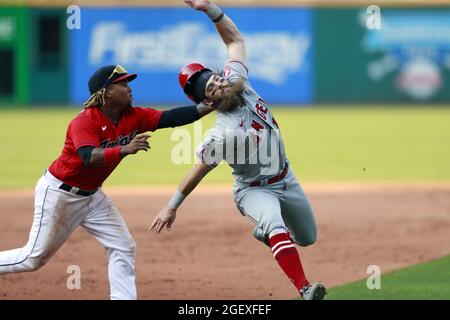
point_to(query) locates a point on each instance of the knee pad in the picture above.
(35, 263)
(262, 236)
(258, 233)
(308, 240)
(131, 245)
(127, 246)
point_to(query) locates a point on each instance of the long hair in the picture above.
(96, 99)
(232, 98)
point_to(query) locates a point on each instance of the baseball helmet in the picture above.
(193, 78)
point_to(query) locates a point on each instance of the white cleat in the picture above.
(317, 291)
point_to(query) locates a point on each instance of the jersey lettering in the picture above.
(120, 141)
(256, 125)
(262, 111)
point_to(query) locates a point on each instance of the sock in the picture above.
(288, 258)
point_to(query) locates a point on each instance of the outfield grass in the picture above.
(323, 144)
(424, 281)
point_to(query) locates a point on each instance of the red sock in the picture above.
(288, 258)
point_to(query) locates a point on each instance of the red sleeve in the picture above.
(83, 133)
(150, 118)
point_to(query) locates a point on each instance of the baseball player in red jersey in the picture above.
(69, 193)
(265, 188)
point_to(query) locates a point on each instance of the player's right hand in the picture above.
(140, 142)
(165, 217)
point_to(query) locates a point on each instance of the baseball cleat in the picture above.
(317, 291)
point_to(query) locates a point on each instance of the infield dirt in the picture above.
(210, 252)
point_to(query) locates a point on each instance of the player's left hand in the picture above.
(165, 217)
(202, 5)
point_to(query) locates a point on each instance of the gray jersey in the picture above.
(247, 138)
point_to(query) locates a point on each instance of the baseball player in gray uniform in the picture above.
(247, 137)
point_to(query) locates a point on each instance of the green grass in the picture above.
(323, 144)
(424, 281)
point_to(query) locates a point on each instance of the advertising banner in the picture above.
(157, 42)
(406, 60)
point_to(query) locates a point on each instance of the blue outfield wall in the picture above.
(156, 43)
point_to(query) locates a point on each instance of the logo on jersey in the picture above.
(226, 71)
(103, 128)
(120, 141)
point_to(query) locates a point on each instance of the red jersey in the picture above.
(91, 127)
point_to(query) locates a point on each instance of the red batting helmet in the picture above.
(188, 80)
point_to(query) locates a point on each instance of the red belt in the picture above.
(277, 178)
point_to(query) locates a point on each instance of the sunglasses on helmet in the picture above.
(119, 70)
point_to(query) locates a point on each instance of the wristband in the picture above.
(176, 200)
(215, 13)
(111, 156)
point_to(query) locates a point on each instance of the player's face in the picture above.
(222, 94)
(120, 94)
(216, 87)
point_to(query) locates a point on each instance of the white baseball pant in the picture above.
(57, 213)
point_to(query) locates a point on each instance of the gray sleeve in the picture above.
(210, 151)
(234, 69)
(205, 153)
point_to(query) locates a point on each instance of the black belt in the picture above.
(79, 192)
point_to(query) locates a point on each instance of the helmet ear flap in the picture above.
(186, 73)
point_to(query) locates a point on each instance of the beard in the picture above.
(232, 98)
(128, 104)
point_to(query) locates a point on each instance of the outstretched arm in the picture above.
(167, 215)
(226, 28)
(179, 116)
